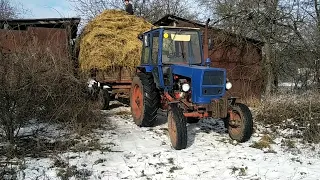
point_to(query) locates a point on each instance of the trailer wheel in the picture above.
(239, 123)
(177, 127)
(103, 99)
(144, 100)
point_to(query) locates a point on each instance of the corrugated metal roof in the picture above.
(40, 21)
(21, 24)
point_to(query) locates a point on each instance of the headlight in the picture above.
(228, 85)
(185, 87)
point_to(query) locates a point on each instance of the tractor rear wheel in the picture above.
(177, 127)
(239, 123)
(144, 100)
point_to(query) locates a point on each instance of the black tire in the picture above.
(192, 120)
(243, 131)
(103, 99)
(177, 127)
(150, 100)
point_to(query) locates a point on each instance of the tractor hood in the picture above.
(206, 83)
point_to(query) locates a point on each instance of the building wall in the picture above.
(44, 40)
(242, 59)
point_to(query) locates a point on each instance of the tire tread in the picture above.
(182, 136)
(151, 99)
(248, 123)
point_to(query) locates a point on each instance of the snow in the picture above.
(145, 153)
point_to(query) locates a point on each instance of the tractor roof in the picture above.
(172, 28)
(175, 27)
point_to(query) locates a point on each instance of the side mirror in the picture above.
(210, 44)
(146, 41)
(140, 37)
(208, 62)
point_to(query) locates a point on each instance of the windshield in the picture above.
(181, 46)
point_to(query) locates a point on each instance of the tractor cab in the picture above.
(172, 45)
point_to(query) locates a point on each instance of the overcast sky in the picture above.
(47, 8)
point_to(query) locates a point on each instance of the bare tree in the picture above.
(151, 10)
(91, 8)
(317, 61)
(7, 10)
(284, 26)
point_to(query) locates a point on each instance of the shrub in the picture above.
(295, 111)
(37, 85)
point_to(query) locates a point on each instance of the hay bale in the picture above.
(110, 41)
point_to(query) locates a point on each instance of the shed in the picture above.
(54, 35)
(240, 56)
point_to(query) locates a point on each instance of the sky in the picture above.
(52, 8)
(46, 8)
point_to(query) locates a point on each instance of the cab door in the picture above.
(155, 59)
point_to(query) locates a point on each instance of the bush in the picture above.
(295, 111)
(37, 85)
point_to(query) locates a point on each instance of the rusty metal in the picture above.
(115, 75)
(196, 114)
(114, 81)
(219, 108)
(121, 87)
(125, 92)
(172, 128)
(168, 97)
(52, 36)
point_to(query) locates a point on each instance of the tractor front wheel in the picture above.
(239, 123)
(177, 127)
(144, 100)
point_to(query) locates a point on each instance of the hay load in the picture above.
(110, 41)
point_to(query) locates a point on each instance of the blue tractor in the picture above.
(175, 76)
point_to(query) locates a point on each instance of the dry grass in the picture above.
(110, 40)
(264, 142)
(293, 111)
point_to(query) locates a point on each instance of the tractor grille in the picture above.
(213, 78)
(208, 91)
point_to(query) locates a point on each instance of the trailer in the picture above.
(110, 84)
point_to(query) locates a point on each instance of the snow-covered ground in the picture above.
(129, 152)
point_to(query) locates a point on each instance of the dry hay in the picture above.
(110, 41)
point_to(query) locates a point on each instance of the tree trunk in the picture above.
(268, 68)
(317, 74)
(9, 128)
(317, 64)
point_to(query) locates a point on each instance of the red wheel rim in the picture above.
(236, 129)
(137, 102)
(172, 129)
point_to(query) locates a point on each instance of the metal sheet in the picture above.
(44, 40)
